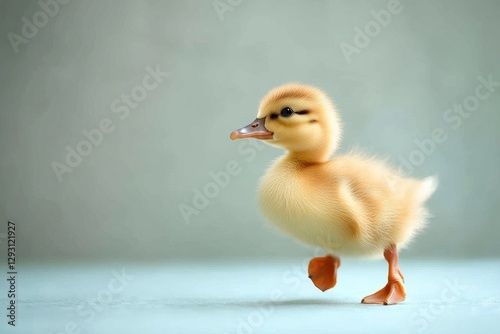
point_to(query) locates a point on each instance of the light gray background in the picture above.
(123, 201)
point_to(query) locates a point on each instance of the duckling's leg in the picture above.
(394, 292)
(323, 271)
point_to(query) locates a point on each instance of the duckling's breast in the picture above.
(296, 207)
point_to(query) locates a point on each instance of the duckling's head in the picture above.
(299, 118)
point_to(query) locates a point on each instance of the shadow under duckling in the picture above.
(347, 205)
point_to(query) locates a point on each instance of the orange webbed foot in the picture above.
(323, 271)
(393, 293)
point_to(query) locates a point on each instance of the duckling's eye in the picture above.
(286, 112)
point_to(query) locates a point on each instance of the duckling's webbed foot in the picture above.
(394, 291)
(323, 271)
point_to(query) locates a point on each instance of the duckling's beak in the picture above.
(256, 129)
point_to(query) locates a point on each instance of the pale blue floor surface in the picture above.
(253, 297)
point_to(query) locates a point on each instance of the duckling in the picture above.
(348, 205)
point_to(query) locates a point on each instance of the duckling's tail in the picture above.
(428, 187)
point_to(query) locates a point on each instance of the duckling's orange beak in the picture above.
(256, 129)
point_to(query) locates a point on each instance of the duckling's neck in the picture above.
(309, 157)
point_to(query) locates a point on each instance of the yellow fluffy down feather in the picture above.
(347, 205)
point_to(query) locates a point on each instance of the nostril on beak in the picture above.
(254, 125)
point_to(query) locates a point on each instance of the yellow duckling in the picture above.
(347, 205)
